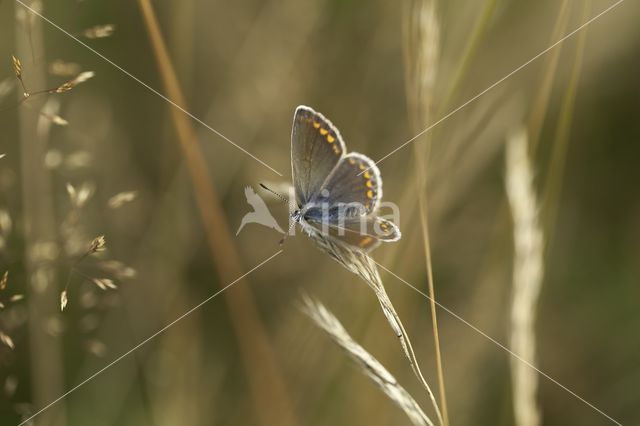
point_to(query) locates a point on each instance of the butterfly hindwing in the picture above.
(355, 180)
(316, 149)
(362, 233)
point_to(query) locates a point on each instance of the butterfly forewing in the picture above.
(316, 148)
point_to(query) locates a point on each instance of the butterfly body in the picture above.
(337, 193)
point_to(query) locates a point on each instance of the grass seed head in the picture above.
(63, 300)
(99, 31)
(122, 198)
(17, 67)
(98, 244)
(4, 338)
(4, 280)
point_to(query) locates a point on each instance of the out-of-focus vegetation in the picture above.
(107, 156)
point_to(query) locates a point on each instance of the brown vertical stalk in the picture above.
(39, 228)
(272, 401)
(422, 39)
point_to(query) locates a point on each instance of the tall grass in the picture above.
(359, 263)
(554, 178)
(421, 51)
(245, 66)
(527, 277)
(269, 390)
(40, 228)
(370, 366)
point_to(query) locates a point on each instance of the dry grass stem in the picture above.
(39, 226)
(80, 78)
(527, 277)
(543, 93)
(363, 266)
(268, 389)
(324, 319)
(98, 244)
(470, 49)
(63, 88)
(553, 183)
(421, 52)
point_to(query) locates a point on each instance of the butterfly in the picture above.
(337, 193)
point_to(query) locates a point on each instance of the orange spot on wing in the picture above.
(361, 166)
(367, 175)
(369, 184)
(365, 241)
(352, 161)
(323, 132)
(330, 139)
(370, 194)
(316, 124)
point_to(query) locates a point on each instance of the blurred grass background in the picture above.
(243, 67)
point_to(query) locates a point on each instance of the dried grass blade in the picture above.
(324, 319)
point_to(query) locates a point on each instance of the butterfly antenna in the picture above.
(277, 194)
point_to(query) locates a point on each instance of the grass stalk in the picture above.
(470, 48)
(362, 265)
(270, 395)
(541, 103)
(40, 229)
(369, 365)
(527, 277)
(553, 183)
(422, 38)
